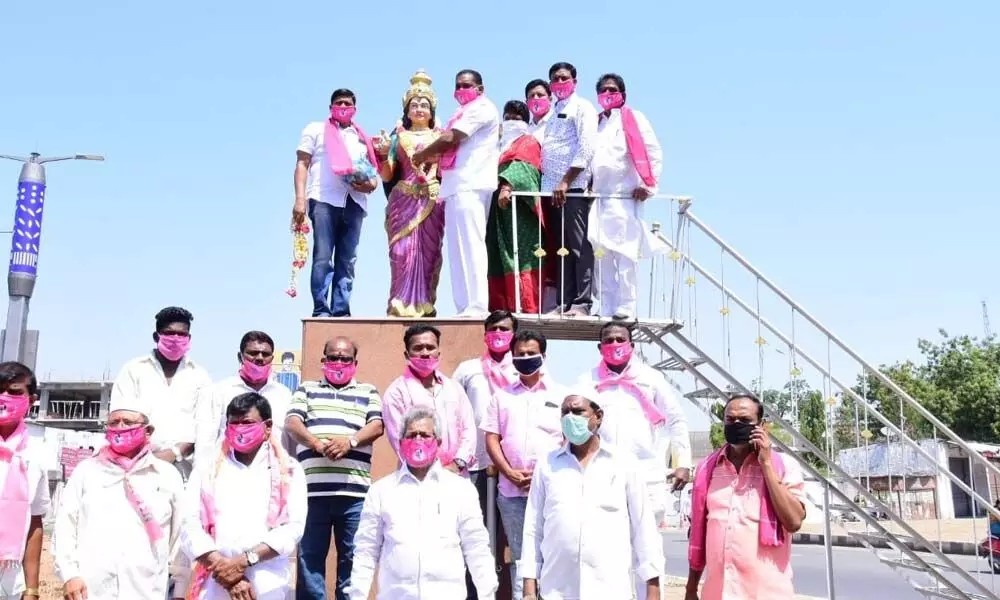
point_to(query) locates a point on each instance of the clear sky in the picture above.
(848, 149)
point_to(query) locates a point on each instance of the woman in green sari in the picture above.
(520, 171)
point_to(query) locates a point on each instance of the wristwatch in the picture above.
(354, 442)
(460, 463)
(252, 558)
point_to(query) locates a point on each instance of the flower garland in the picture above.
(300, 252)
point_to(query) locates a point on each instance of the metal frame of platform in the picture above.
(578, 329)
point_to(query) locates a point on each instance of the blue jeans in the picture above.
(336, 232)
(339, 514)
(512, 515)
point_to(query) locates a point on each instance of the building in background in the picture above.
(288, 369)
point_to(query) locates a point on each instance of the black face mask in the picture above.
(738, 433)
(528, 365)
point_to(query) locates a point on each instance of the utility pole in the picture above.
(987, 330)
(27, 234)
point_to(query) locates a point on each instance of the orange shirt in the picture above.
(737, 567)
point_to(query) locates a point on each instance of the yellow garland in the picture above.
(300, 252)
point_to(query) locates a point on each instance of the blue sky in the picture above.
(849, 150)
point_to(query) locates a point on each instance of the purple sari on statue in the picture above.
(414, 222)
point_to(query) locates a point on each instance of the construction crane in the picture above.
(986, 322)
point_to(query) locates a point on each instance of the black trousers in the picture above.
(567, 227)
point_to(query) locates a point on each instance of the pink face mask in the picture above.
(13, 408)
(563, 89)
(126, 440)
(339, 373)
(424, 366)
(498, 341)
(173, 347)
(251, 372)
(343, 114)
(465, 95)
(616, 353)
(610, 100)
(539, 107)
(419, 452)
(246, 437)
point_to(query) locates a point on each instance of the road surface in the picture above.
(858, 575)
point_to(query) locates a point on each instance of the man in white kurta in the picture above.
(240, 487)
(616, 230)
(421, 526)
(588, 525)
(468, 180)
(100, 543)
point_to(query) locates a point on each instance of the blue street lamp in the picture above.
(25, 240)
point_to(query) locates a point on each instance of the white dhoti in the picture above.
(616, 228)
(465, 230)
(659, 496)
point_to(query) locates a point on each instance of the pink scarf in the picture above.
(277, 512)
(770, 532)
(153, 529)
(450, 156)
(336, 151)
(15, 502)
(637, 147)
(496, 375)
(451, 421)
(629, 379)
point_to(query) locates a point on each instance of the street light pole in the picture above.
(27, 234)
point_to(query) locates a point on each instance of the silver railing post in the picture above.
(828, 541)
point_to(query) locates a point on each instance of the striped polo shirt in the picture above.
(329, 412)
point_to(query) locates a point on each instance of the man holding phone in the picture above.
(746, 504)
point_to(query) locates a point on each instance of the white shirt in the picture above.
(612, 167)
(421, 535)
(537, 128)
(323, 185)
(626, 426)
(477, 158)
(100, 538)
(586, 529)
(570, 136)
(242, 499)
(210, 413)
(12, 580)
(469, 375)
(169, 405)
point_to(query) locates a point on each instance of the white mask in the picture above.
(510, 131)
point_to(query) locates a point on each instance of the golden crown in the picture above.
(420, 86)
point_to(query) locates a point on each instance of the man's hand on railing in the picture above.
(641, 194)
(503, 197)
(559, 194)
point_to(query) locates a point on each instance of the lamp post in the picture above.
(27, 234)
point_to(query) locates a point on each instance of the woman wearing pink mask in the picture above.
(24, 487)
(626, 167)
(421, 526)
(167, 381)
(245, 513)
(423, 384)
(119, 517)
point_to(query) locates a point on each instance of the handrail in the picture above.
(685, 213)
(947, 562)
(983, 502)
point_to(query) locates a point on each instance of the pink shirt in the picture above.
(737, 567)
(529, 423)
(448, 399)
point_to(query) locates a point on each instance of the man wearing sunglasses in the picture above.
(334, 422)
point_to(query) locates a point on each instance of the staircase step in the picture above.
(908, 563)
(701, 393)
(672, 364)
(949, 594)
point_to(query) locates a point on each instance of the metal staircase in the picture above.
(817, 370)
